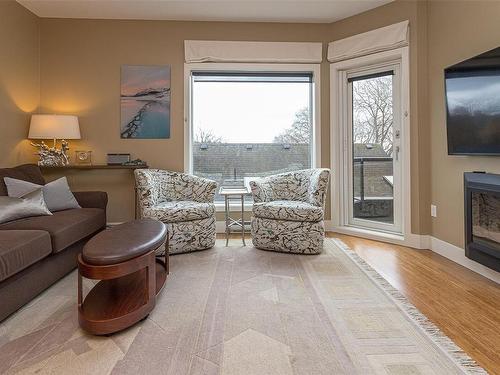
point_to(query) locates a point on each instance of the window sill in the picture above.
(220, 207)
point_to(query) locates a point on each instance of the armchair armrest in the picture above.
(155, 186)
(307, 185)
(261, 190)
(147, 184)
(190, 187)
(318, 186)
(91, 199)
(284, 186)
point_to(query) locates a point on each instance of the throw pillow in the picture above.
(57, 194)
(31, 204)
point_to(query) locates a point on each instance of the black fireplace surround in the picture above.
(482, 218)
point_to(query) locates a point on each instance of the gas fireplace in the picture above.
(482, 218)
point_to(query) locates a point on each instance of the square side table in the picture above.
(232, 194)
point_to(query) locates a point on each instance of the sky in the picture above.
(247, 112)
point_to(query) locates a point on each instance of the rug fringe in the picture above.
(459, 357)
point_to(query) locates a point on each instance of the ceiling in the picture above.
(305, 11)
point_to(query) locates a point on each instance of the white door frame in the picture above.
(338, 141)
(394, 66)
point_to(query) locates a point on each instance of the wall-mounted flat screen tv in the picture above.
(473, 105)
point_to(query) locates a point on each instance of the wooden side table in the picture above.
(125, 294)
(234, 194)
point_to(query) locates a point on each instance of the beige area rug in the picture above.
(238, 310)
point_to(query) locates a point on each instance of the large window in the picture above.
(250, 124)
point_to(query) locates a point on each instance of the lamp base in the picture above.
(52, 156)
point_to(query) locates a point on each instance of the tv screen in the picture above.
(473, 105)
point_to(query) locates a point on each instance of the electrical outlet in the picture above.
(433, 210)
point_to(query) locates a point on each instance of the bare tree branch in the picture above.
(299, 132)
(206, 136)
(373, 112)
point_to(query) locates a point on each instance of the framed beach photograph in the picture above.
(145, 102)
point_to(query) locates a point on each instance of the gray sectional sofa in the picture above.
(36, 252)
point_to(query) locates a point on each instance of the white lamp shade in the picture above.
(54, 127)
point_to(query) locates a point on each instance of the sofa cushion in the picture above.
(29, 205)
(288, 210)
(56, 193)
(65, 227)
(25, 172)
(176, 211)
(20, 249)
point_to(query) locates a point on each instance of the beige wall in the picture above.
(457, 31)
(19, 79)
(80, 64)
(80, 73)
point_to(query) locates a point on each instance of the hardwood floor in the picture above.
(462, 303)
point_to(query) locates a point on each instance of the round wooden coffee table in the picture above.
(131, 276)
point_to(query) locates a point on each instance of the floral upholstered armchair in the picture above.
(288, 211)
(185, 203)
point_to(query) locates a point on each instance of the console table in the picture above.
(96, 167)
(93, 166)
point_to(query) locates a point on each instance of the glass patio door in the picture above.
(374, 146)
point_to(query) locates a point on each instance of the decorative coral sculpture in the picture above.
(52, 156)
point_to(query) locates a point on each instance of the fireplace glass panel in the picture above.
(486, 220)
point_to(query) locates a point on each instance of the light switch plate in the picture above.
(433, 210)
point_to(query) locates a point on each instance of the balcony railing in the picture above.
(361, 162)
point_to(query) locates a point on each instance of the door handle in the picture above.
(396, 152)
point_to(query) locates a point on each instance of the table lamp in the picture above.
(53, 127)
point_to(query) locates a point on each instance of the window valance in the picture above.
(378, 40)
(199, 51)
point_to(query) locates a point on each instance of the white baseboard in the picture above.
(113, 223)
(417, 241)
(457, 255)
(220, 227)
(412, 240)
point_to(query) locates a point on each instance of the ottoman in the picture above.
(123, 259)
